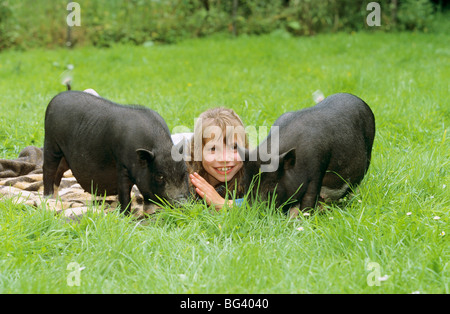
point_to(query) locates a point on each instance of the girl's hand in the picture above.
(207, 191)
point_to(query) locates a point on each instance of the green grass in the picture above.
(391, 220)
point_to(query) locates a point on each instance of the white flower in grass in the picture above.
(318, 96)
(408, 214)
(436, 217)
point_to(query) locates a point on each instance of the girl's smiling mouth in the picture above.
(224, 170)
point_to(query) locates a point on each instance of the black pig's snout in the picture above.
(181, 199)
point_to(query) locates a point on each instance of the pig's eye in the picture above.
(160, 178)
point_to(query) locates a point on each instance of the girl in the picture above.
(215, 166)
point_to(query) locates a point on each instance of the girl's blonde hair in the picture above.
(231, 125)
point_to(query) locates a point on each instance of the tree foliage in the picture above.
(29, 23)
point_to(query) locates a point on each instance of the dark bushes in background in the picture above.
(30, 23)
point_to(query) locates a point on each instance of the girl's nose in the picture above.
(229, 155)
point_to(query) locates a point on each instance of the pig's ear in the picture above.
(288, 159)
(145, 156)
(243, 153)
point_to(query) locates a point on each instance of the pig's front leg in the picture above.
(311, 196)
(124, 190)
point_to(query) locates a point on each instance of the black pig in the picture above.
(324, 150)
(109, 148)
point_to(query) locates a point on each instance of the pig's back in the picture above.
(337, 117)
(74, 113)
(81, 117)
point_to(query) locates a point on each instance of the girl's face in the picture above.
(221, 160)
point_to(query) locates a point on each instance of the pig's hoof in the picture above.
(293, 212)
(50, 196)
